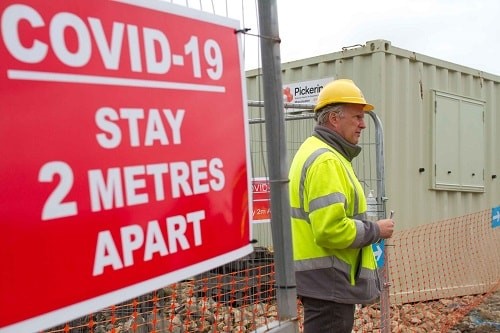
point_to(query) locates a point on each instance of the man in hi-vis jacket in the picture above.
(335, 267)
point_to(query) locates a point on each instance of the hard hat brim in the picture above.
(366, 107)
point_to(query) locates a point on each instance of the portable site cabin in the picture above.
(441, 137)
(440, 123)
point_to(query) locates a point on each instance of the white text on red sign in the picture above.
(159, 56)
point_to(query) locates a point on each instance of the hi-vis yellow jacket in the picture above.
(332, 251)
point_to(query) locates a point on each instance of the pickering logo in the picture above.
(300, 91)
(287, 95)
(304, 92)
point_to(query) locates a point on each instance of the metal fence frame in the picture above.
(375, 148)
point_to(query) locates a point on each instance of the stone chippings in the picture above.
(180, 311)
(471, 314)
(240, 297)
(176, 311)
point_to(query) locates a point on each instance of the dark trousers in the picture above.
(322, 316)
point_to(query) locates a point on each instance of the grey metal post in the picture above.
(385, 308)
(278, 166)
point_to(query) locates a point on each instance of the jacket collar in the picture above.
(332, 138)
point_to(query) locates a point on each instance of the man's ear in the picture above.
(333, 118)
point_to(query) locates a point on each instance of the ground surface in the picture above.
(484, 318)
(464, 314)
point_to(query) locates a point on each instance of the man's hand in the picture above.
(386, 227)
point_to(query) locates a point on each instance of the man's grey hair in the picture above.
(321, 116)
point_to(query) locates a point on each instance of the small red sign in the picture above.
(124, 161)
(261, 200)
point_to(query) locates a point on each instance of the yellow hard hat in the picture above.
(341, 91)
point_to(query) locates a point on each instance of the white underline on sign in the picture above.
(110, 81)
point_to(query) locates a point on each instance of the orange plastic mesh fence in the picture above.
(437, 273)
(237, 297)
(455, 257)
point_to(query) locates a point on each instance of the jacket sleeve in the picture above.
(329, 199)
(367, 233)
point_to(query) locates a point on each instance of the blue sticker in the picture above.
(495, 217)
(378, 251)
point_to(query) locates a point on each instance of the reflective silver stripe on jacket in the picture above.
(328, 262)
(319, 263)
(360, 232)
(329, 278)
(327, 200)
(300, 213)
(356, 197)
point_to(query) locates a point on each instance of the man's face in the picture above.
(349, 123)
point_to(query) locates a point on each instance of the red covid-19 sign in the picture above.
(124, 163)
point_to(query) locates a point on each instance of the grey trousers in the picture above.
(322, 316)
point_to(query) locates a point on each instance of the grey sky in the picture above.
(465, 32)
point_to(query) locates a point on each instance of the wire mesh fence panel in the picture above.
(240, 296)
(236, 297)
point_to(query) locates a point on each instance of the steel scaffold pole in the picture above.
(278, 167)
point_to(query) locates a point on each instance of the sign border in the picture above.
(90, 305)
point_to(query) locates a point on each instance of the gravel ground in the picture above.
(465, 314)
(484, 318)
